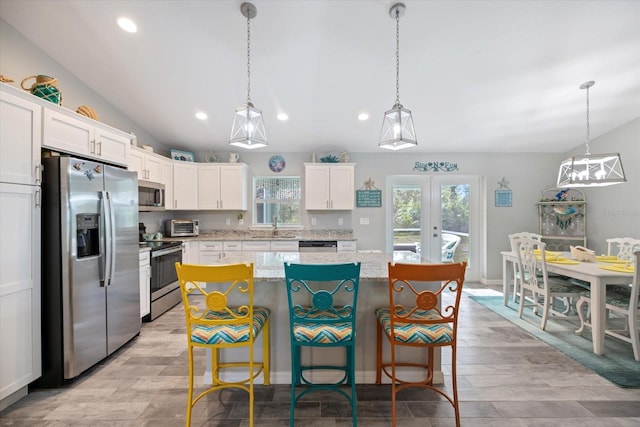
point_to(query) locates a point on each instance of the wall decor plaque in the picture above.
(368, 196)
(435, 166)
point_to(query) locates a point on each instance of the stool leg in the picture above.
(378, 352)
(454, 382)
(190, 393)
(295, 361)
(266, 357)
(352, 374)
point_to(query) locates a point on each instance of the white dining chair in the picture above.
(623, 247)
(535, 279)
(514, 239)
(624, 302)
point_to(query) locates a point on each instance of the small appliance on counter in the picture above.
(182, 227)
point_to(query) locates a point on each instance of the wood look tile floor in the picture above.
(505, 377)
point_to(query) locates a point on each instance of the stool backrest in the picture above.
(322, 293)
(227, 289)
(414, 287)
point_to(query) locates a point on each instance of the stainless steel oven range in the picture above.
(165, 289)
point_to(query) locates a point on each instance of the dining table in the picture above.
(598, 274)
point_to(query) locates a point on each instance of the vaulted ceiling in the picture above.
(479, 76)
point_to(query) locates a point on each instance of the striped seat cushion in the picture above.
(318, 333)
(226, 334)
(412, 333)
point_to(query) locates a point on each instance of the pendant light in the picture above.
(397, 127)
(248, 125)
(591, 170)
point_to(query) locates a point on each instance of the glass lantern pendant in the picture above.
(397, 127)
(248, 125)
(248, 128)
(591, 170)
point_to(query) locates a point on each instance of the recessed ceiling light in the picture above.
(127, 24)
(201, 115)
(283, 117)
(363, 116)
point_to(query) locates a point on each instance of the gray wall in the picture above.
(19, 58)
(612, 211)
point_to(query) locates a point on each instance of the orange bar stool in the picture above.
(220, 314)
(416, 317)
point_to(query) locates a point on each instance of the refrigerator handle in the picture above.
(106, 253)
(112, 239)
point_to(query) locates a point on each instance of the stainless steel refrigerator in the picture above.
(90, 278)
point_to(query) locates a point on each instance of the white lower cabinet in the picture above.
(256, 246)
(20, 298)
(346, 245)
(209, 252)
(190, 253)
(284, 246)
(232, 246)
(145, 283)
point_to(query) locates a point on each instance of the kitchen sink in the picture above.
(277, 236)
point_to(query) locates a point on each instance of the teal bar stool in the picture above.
(322, 314)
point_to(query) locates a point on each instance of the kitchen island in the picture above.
(270, 292)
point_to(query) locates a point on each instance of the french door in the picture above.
(438, 217)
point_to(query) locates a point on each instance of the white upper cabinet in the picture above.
(185, 186)
(68, 132)
(329, 186)
(21, 136)
(148, 165)
(222, 186)
(208, 187)
(166, 172)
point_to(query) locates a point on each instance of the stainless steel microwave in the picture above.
(150, 196)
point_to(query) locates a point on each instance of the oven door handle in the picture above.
(156, 254)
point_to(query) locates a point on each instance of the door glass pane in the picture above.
(454, 201)
(407, 201)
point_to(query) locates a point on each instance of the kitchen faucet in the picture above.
(275, 225)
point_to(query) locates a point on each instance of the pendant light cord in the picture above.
(588, 130)
(397, 57)
(248, 57)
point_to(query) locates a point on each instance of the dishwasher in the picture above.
(318, 246)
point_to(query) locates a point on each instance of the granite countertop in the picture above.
(283, 234)
(269, 266)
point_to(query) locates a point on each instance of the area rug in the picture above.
(616, 365)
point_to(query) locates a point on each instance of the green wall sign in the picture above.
(368, 198)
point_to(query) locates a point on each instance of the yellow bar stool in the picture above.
(219, 312)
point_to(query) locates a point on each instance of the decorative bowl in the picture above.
(148, 236)
(330, 159)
